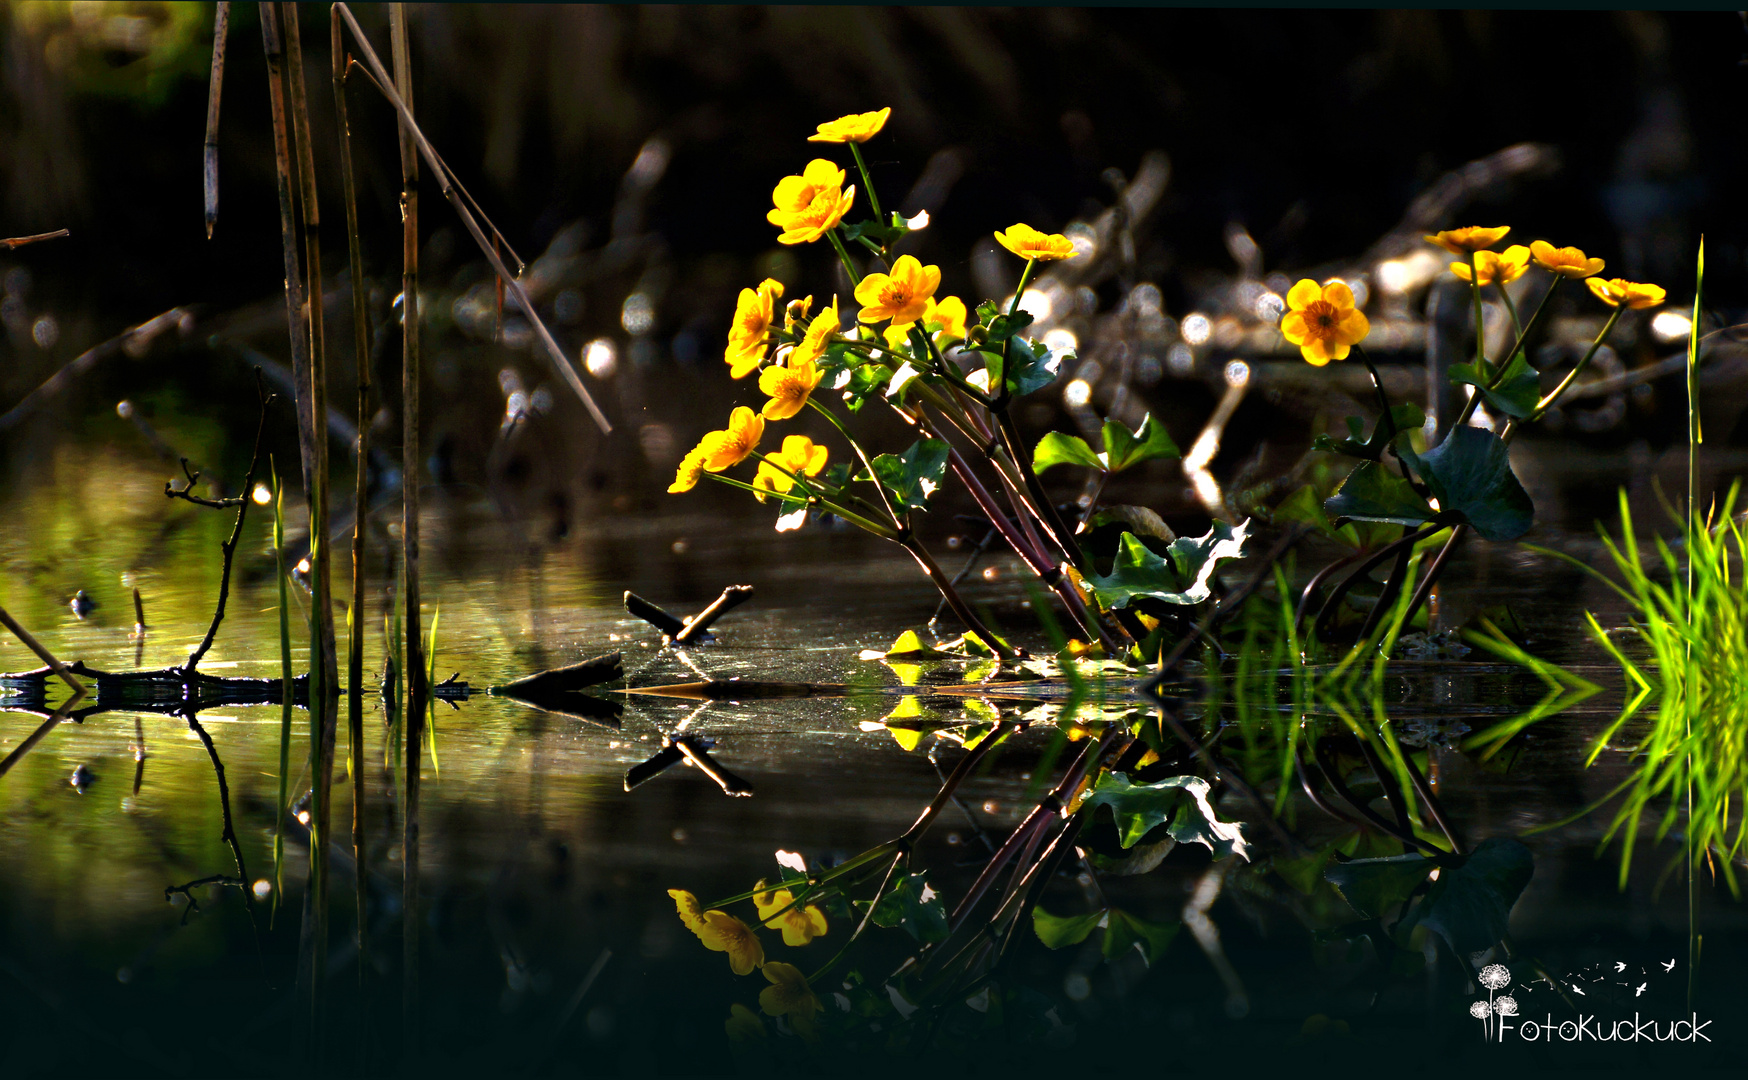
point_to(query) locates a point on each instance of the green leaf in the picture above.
(923, 919)
(1059, 449)
(1305, 507)
(1182, 800)
(1137, 519)
(1124, 931)
(1138, 573)
(1030, 365)
(863, 383)
(913, 476)
(1470, 903)
(1470, 475)
(1059, 931)
(1406, 418)
(1001, 326)
(1519, 389)
(1375, 886)
(1124, 448)
(1374, 493)
(881, 234)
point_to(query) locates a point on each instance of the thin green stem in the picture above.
(1516, 347)
(1511, 309)
(1553, 396)
(898, 523)
(1480, 323)
(825, 504)
(844, 256)
(867, 181)
(1020, 289)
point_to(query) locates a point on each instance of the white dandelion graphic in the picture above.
(1506, 1005)
(1483, 1012)
(1495, 977)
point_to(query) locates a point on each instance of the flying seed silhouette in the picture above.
(1670, 966)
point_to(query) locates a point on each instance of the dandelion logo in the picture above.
(1495, 977)
(1483, 1012)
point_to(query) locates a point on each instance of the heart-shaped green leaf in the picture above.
(1470, 475)
(1519, 389)
(1373, 493)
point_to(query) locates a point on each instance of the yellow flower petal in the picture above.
(1322, 321)
(690, 912)
(726, 449)
(821, 332)
(1567, 261)
(789, 387)
(685, 479)
(808, 206)
(902, 295)
(1630, 294)
(743, 1024)
(1469, 238)
(725, 933)
(948, 317)
(1029, 243)
(856, 128)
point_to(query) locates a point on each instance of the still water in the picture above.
(549, 944)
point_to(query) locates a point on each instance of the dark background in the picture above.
(1312, 129)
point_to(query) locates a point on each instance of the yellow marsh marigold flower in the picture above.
(796, 311)
(821, 332)
(1495, 268)
(801, 457)
(1029, 243)
(686, 476)
(743, 1024)
(857, 127)
(1322, 321)
(902, 296)
(800, 925)
(949, 316)
(754, 313)
(810, 205)
(1469, 238)
(896, 335)
(721, 932)
(789, 385)
(1618, 293)
(726, 449)
(788, 995)
(1567, 261)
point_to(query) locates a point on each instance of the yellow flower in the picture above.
(800, 925)
(1496, 269)
(1618, 293)
(857, 127)
(1469, 238)
(796, 311)
(1567, 261)
(743, 1024)
(1322, 321)
(822, 331)
(1029, 243)
(721, 932)
(686, 476)
(948, 316)
(753, 315)
(789, 386)
(691, 913)
(726, 449)
(810, 205)
(788, 995)
(896, 334)
(902, 296)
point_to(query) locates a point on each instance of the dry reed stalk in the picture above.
(413, 671)
(36, 647)
(355, 622)
(459, 199)
(209, 172)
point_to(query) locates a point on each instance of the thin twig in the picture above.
(398, 97)
(230, 546)
(209, 173)
(16, 242)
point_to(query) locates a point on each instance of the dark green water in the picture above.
(538, 865)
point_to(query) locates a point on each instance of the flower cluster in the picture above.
(788, 995)
(1322, 320)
